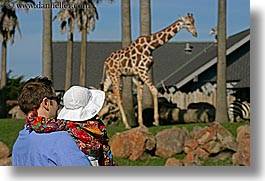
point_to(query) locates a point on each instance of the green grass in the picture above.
(152, 161)
(154, 129)
(232, 127)
(213, 162)
(9, 129)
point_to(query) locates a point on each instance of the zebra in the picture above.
(239, 111)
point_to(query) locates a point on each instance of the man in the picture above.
(38, 96)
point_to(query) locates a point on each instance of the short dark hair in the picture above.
(33, 92)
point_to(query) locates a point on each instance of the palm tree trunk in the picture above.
(221, 98)
(3, 65)
(69, 61)
(47, 67)
(82, 80)
(3, 82)
(127, 86)
(145, 29)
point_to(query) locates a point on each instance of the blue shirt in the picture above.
(47, 149)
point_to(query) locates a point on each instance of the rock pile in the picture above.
(206, 142)
(201, 143)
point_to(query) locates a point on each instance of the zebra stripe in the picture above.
(239, 109)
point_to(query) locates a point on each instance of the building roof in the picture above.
(97, 52)
(200, 61)
(172, 65)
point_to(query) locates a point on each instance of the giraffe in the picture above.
(136, 60)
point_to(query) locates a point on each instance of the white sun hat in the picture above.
(81, 104)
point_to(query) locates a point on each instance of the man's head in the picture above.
(38, 93)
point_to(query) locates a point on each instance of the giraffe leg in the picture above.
(116, 92)
(139, 102)
(154, 93)
(156, 116)
(106, 84)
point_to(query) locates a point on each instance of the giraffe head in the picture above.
(188, 23)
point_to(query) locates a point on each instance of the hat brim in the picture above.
(84, 113)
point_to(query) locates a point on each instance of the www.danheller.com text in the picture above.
(40, 5)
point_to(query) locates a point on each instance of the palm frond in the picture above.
(27, 1)
(63, 26)
(87, 15)
(8, 24)
(19, 31)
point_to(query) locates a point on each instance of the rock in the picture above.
(195, 131)
(190, 145)
(120, 145)
(4, 151)
(6, 161)
(242, 156)
(206, 142)
(170, 141)
(191, 159)
(173, 162)
(212, 147)
(226, 138)
(216, 138)
(202, 153)
(223, 155)
(205, 135)
(132, 143)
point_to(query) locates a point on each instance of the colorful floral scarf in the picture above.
(90, 136)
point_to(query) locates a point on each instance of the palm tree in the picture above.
(66, 17)
(221, 98)
(86, 17)
(145, 29)
(47, 67)
(69, 55)
(8, 25)
(127, 86)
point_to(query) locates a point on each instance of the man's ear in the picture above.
(45, 103)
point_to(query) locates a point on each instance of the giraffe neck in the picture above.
(160, 38)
